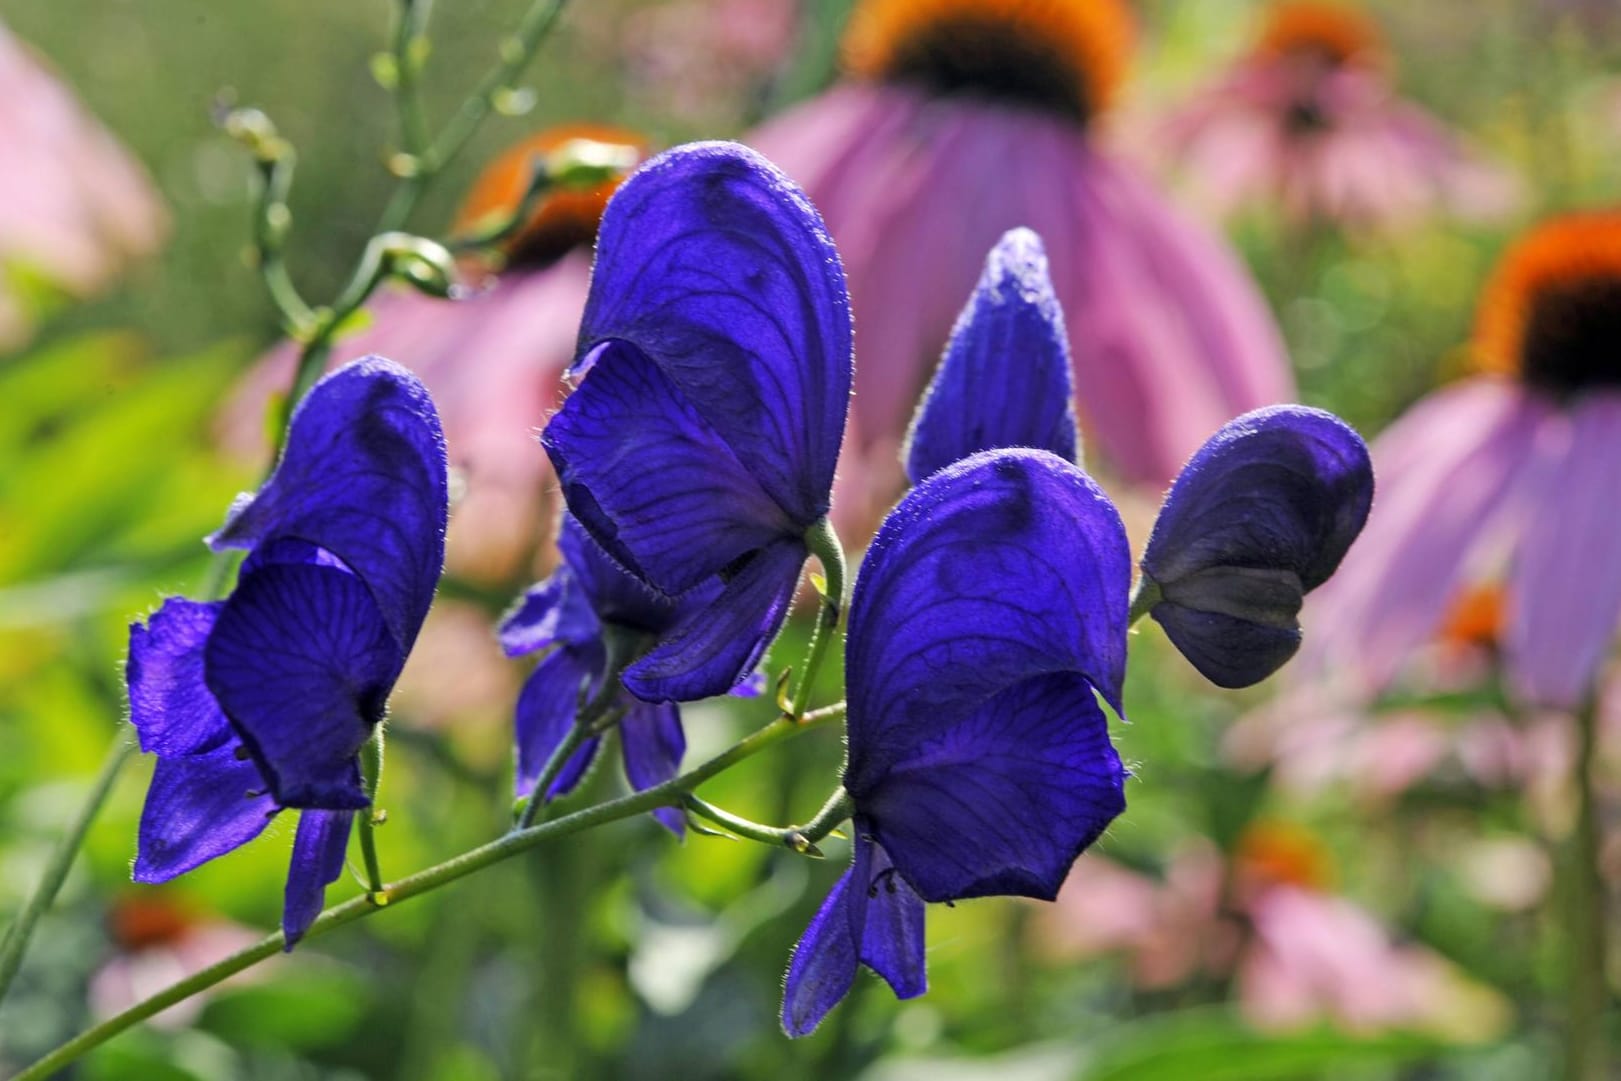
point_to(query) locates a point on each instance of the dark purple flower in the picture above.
(715, 354)
(263, 701)
(1005, 379)
(988, 618)
(1260, 516)
(588, 608)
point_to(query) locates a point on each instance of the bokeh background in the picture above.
(1434, 948)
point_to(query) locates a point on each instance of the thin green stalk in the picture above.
(371, 771)
(410, 48)
(536, 802)
(801, 839)
(669, 794)
(56, 872)
(1587, 1056)
(823, 543)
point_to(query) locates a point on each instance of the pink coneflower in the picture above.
(74, 206)
(1309, 121)
(493, 361)
(961, 119)
(1507, 480)
(1266, 918)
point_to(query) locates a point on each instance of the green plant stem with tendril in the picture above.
(316, 328)
(670, 794)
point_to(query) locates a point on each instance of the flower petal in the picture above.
(1283, 487)
(1566, 584)
(545, 713)
(1005, 378)
(1001, 801)
(301, 661)
(1008, 565)
(172, 709)
(715, 648)
(556, 611)
(717, 267)
(199, 807)
(651, 479)
(364, 477)
(653, 742)
(892, 934)
(318, 851)
(617, 596)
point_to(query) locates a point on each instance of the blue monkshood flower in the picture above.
(1005, 378)
(588, 609)
(1260, 516)
(262, 701)
(716, 362)
(988, 618)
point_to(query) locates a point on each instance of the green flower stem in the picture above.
(39, 902)
(536, 801)
(1143, 598)
(670, 794)
(371, 771)
(410, 49)
(801, 839)
(1588, 1053)
(823, 543)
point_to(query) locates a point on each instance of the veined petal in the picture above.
(717, 267)
(545, 713)
(198, 807)
(550, 612)
(617, 596)
(714, 648)
(172, 709)
(301, 661)
(871, 916)
(1283, 487)
(651, 479)
(364, 476)
(1260, 516)
(1001, 801)
(653, 741)
(1009, 565)
(318, 851)
(1005, 378)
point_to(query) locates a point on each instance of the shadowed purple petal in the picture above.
(1005, 378)
(653, 742)
(1008, 565)
(172, 709)
(716, 266)
(199, 807)
(556, 611)
(1001, 801)
(364, 477)
(618, 597)
(871, 916)
(715, 648)
(302, 662)
(545, 712)
(318, 850)
(1260, 516)
(652, 480)
(892, 935)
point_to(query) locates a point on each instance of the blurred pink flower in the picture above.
(1299, 954)
(1309, 122)
(74, 206)
(492, 360)
(964, 118)
(159, 942)
(706, 61)
(1505, 481)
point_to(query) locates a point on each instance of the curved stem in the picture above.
(1587, 1049)
(824, 544)
(56, 872)
(371, 769)
(801, 839)
(668, 794)
(1144, 596)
